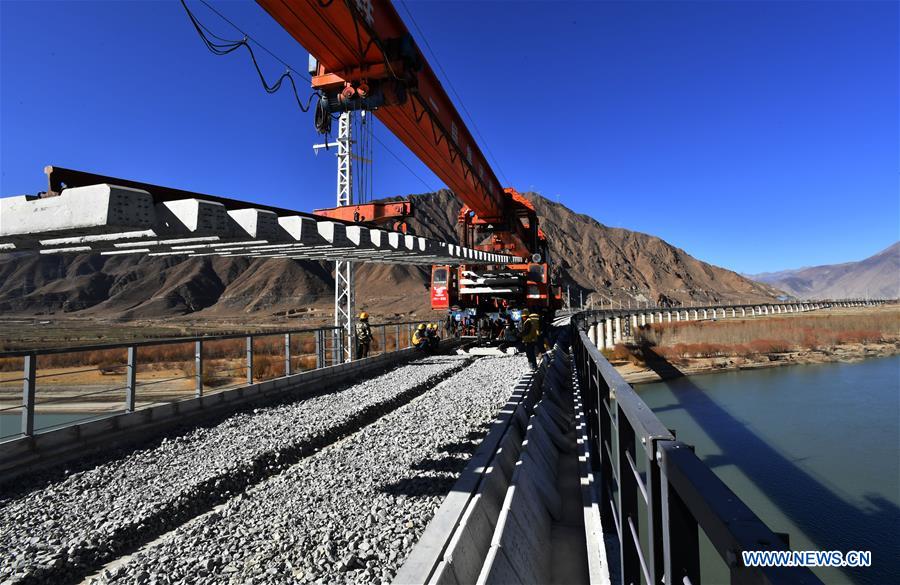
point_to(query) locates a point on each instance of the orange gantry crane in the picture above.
(362, 57)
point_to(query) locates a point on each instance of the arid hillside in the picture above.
(593, 259)
(875, 277)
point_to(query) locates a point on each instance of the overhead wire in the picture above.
(453, 89)
(226, 46)
(299, 72)
(400, 160)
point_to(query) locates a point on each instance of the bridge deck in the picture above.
(250, 497)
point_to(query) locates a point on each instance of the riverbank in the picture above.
(652, 368)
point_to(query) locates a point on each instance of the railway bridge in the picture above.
(276, 457)
(393, 468)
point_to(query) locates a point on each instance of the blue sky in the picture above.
(755, 135)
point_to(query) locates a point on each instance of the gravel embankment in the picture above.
(62, 530)
(349, 514)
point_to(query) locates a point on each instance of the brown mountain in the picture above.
(592, 259)
(876, 277)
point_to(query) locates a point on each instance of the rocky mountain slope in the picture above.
(592, 259)
(876, 277)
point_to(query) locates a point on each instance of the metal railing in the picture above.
(87, 382)
(644, 472)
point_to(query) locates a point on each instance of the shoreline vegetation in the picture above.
(669, 350)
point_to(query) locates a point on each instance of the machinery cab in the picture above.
(443, 287)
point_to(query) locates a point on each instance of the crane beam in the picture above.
(363, 50)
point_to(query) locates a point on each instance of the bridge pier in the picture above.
(617, 331)
(608, 343)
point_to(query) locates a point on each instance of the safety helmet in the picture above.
(432, 326)
(525, 312)
(421, 326)
(363, 316)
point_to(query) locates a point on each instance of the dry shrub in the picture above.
(745, 336)
(860, 336)
(620, 352)
(763, 346)
(307, 362)
(13, 364)
(209, 378)
(266, 367)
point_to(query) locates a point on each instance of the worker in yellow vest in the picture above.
(420, 338)
(531, 335)
(431, 336)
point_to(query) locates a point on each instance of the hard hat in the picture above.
(525, 312)
(363, 316)
(421, 326)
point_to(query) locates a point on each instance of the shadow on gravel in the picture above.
(439, 473)
(425, 486)
(462, 446)
(446, 464)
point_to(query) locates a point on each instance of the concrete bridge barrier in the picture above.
(524, 520)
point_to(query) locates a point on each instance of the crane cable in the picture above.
(228, 46)
(321, 113)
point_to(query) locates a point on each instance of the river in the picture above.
(814, 450)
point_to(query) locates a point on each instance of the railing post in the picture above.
(655, 559)
(628, 504)
(287, 354)
(383, 339)
(198, 368)
(680, 535)
(130, 378)
(320, 348)
(28, 388)
(397, 338)
(605, 445)
(249, 359)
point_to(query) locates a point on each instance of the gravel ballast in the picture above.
(70, 526)
(349, 514)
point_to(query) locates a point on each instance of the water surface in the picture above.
(814, 450)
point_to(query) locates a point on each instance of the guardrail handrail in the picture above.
(330, 343)
(186, 339)
(680, 493)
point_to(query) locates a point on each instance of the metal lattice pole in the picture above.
(344, 295)
(343, 270)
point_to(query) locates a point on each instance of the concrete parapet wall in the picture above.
(514, 524)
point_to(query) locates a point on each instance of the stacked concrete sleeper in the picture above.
(504, 533)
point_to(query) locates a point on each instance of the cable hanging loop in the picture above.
(227, 47)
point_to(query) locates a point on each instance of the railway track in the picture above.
(333, 487)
